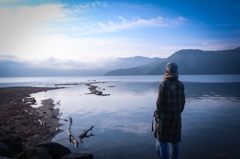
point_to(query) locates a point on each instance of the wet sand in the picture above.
(21, 120)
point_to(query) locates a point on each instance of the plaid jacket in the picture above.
(170, 104)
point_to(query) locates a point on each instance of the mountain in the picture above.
(140, 70)
(11, 67)
(190, 62)
(19, 69)
(129, 62)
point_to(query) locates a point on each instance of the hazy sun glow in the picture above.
(91, 31)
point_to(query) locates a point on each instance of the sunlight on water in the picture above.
(211, 121)
(51, 81)
(123, 120)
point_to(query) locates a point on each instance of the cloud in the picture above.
(8, 58)
(24, 20)
(139, 22)
(36, 32)
(66, 64)
(87, 7)
(7, 1)
(18, 18)
(21, 23)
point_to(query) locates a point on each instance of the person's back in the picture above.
(170, 104)
(171, 101)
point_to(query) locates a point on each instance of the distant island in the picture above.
(191, 62)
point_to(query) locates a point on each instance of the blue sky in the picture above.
(78, 33)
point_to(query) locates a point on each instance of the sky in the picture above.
(80, 33)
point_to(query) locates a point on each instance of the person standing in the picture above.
(169, 106)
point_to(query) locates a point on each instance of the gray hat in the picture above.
(172, 68)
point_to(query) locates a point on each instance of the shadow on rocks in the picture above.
(14, 149)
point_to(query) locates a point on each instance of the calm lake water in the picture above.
(211, 120)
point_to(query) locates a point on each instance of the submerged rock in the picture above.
(78, 156)
(35, 153)
(11, 147)
(4, 150)
(55, 150)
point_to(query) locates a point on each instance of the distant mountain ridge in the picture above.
(10, 67)
(190, 62)
(130, 62)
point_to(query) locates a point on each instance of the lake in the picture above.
(122, 120)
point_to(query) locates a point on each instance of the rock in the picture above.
(222, 156)
(35, 153)
(78, 156)
(4, 157)
(4, 150)
(55, 150)
(17, 117)
(15, 145)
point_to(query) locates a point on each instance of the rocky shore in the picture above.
(19, 119)
(24, 129)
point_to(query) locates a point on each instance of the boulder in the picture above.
(78, 156)
(14, 145)
(35, 153)
(4, 150)
(55, 150)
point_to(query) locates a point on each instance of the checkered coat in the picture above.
(170, 104)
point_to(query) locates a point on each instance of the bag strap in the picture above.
(152, 122)
(155, 115)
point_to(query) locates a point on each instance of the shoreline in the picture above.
(20, 120)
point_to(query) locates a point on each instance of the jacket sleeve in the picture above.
(183, 99)
(160, 98)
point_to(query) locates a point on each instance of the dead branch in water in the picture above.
(84, 134)
(94, 90)
(71, 137)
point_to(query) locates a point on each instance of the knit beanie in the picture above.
(172, 68)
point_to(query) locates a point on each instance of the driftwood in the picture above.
(71, 137)
(44, 127)
(84, 134)
(40, 121)
(28, 112)
(94, 90)
(29, 100)
(58, 103)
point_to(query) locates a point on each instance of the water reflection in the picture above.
(212, 89)
(123, 120)
(211, 120)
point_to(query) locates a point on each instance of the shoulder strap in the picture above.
(155, 115)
